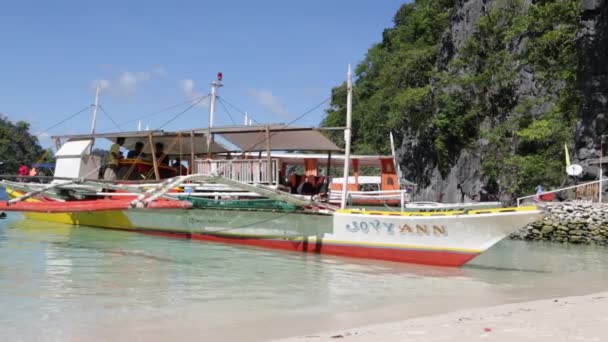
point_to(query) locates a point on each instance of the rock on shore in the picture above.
(570, 222)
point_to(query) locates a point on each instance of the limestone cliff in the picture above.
(483, 94)
(592, 81)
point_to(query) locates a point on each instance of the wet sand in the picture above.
(580, 318)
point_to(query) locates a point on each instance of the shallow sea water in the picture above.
(63, 283)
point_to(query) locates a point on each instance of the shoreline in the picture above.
(582, 318)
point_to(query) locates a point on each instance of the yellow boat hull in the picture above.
(115, 219)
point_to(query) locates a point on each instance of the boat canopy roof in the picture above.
(244, 139)
(336, 160)
(280, 138)
(170, 140)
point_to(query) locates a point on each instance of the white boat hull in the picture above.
(446, 239)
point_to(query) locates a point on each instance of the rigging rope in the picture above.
(151, 114)
(288, 124)
(64, 120)
(109, 117)
(184, 111)
(227, 111)
(237, 109)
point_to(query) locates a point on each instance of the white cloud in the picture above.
(271, 102)
(44, 136)
(127, 83)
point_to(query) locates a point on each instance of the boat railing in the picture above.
(249, 171)
(403, 196)
(585, 192)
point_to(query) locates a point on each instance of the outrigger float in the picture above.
(251, 200)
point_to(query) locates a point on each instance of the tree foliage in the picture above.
(17, 146)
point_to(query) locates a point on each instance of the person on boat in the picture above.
(23, 171)
(539, 191)
(161, 157)
(137, 153)
(179, 167)
(113, 157)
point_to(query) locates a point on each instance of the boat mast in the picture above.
(95, 108)
(214, 85)
(347, 134)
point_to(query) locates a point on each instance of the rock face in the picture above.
(462, 27)
(592, 44)
(464, 181)
(580, 223)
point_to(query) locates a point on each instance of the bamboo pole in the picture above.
(153, 149)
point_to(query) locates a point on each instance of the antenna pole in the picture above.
(347, 134)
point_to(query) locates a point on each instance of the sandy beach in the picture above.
(580, 318)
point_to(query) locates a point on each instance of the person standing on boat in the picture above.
(113, 157)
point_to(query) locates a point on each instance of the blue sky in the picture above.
(279, 58)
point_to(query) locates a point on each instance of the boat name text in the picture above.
(392, 229)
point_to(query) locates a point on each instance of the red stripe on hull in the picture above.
(165, 234)
(427, 257)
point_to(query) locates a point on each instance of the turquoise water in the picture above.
(72, 283)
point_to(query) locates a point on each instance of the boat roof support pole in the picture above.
(268, 157)
(154, 162)
(191, 152)
(347, 134)
(328, 165)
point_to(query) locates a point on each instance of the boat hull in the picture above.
(446, 239)
(115, 219)
(440, 238)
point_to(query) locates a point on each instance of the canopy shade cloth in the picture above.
(174, 143)
(282, 138)
(322, 159)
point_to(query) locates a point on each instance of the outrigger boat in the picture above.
(231, 196)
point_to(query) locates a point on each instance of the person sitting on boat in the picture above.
(137, 153)
(161, 157)
(113, 157)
